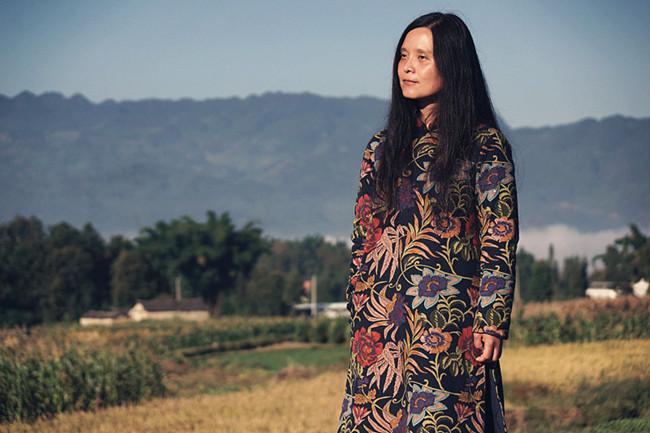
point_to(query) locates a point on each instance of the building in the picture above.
(603, 290)
(95, 317)
(327, 309)
(170, 309)
(640, 288)
(157, 309)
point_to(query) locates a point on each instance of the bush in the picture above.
(549, 328)
(634, 425)
(34, 388)
(318, 332)
(614, 400)
(301, 333)
(339, 330)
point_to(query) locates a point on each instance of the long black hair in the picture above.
(463, 103)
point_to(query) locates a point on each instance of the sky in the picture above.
(547, 62)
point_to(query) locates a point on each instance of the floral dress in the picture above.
(422, 282)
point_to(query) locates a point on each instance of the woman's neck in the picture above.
(428, 114)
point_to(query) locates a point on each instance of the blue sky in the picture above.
(547, 62)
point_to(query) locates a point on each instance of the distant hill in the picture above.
(289, 161)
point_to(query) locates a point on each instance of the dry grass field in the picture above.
(587, 307)
(301, 401)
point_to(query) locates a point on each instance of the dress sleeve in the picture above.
(363, 209)
(496, 196)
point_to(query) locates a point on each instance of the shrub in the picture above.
(318, 332)
(614, 400)
(302, 328)
(550, 328)
(339, 330)
(35, 387)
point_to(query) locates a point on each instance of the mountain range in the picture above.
(287, 161)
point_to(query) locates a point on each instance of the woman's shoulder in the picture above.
(487, 132)
(490, 140)
(378, 137)
(375, 143)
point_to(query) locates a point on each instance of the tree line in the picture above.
(60, 272)
(624, 262)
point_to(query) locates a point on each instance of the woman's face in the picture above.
(417, 71)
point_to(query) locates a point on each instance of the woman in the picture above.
(434, 241)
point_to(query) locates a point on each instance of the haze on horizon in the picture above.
(547, 63)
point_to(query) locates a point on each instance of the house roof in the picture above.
(193, 304)
(602, 285)
(113, 313)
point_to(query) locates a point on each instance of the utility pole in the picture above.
(313, 289)
(178, 288)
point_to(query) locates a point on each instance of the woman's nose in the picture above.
(408, 67)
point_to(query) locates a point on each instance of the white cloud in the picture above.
(568, 241)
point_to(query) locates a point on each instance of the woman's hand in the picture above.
(489, 346)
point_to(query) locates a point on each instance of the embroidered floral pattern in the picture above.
(466, 345)
(429, 286)
(422, 401)
(422, 283)
(363, 211)
(492, 177)
(436, 341)
(366, 346)
(501, 229)
(405, 196)
(446, 226)
(493, 284)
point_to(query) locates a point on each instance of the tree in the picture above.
(628, 260)
(264, 293)
(313, 255)
(68, 292)
(543, 276)
(573, 281)
(133, 278)
(211, 257)
(525, 261)
(22, 261)
(77, 272)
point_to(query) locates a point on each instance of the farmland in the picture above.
(287, 375)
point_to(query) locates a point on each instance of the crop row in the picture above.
(550, 328)
(34, 388)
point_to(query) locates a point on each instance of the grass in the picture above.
(274, 360)
(241, 370)
(299, 389)
(585, 306)
(566, 387)
(565, 366)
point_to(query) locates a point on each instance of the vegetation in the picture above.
(627, 260)
(623, 319)
(549, 389)
(59, 273)
(624, 262)
(558, 394)
(59, 368)
(36, 388)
